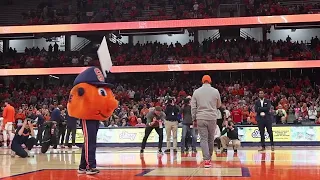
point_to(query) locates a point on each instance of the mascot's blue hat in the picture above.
(92, 76)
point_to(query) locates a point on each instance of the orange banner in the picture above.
(167, 68)
(210, 22)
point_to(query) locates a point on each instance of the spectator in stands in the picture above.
(281, 115)
(236, 115)
(124, 123)
(140, 123)
(133, 120)
(112, 124)
(312, 113)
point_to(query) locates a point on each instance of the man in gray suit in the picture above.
(262, 108)
(204, 106)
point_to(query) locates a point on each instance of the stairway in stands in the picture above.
(12, 14)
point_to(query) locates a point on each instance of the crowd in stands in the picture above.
(47, 13)
(186, 9)
(209, 51)
(268, 8)
(294, 100)
(135, 10)
(86, 11)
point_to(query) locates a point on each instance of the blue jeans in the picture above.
(185, 129)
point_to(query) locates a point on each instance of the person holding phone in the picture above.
(232, 135)
(24, 135)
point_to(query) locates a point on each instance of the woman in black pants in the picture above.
(24, 135)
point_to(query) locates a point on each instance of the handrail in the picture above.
(245, 34)
(113, 38)
(215, 36)
(81, 45)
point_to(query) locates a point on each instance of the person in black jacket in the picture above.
(71, 128)
(262, 108)
(56, 115)
(171, 125)
(187, 127)
(232, 135)
(40, 121)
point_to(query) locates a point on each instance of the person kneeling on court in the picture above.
(24, 135)
(232, 135)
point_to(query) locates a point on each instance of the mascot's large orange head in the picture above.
(91, 97)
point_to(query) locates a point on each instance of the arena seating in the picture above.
(299, 97)
(86, 11)
(210, 51)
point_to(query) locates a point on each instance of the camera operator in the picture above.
(22, 136)
(171, 124)
(232, 135)
(155, 119)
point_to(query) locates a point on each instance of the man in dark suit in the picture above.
(262, 108)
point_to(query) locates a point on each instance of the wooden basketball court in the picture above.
(126, 163)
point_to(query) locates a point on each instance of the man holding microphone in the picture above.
(204, 106)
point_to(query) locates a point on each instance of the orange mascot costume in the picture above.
(92, 101)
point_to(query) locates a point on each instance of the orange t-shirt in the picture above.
(253, 118)
(8, 115)
(245, 114)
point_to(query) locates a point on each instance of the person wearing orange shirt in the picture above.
(245, 114)
(252, 117)
(20, 117)
(8, 120)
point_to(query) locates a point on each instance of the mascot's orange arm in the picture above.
(90, 102)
